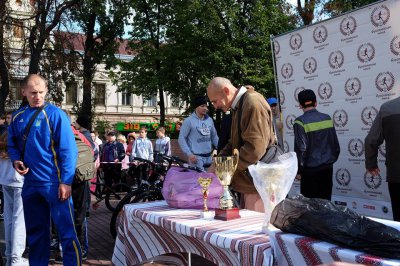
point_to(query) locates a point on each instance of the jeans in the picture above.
(14, 223)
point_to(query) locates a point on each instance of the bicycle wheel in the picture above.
(115, 195)
(117, 213)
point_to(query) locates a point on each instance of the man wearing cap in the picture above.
(113, 153)
(198, 135)
(317, 148)
(276, 119)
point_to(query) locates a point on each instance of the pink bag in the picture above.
(181, 189)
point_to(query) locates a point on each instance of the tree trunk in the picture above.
(161, 103)
(88, 68)
(4, 74)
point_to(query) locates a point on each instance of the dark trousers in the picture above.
(112, 173)
(394, 191)
(317, 182)
(79, 198)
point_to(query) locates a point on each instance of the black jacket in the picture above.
(315, 140)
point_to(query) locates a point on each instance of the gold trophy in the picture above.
(205, 182)
(225, 166)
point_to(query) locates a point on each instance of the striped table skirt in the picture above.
(151, 229)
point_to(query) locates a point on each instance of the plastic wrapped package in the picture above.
(273, 181)
(321, 219)
(181, 189)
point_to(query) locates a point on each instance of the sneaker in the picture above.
(1, 216)
(19, 261)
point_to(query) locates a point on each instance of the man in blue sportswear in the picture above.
(317, 148)
(48, 167)
(198, 135)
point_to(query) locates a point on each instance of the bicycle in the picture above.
(111, 195)
(148, 189)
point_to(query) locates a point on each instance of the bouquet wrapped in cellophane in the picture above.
(273, 181)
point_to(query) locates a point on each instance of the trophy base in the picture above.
(207, 215)
(226, 215)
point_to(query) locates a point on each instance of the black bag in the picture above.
(321, 219)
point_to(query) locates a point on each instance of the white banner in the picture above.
(351, 62)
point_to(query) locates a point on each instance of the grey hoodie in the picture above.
(197, 136)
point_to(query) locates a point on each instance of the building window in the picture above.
(71, 93)
(100, 94)
(15, 88)
(150, 102)
(126, 98)
(18, 29)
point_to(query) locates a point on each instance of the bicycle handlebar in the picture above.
(180, 162)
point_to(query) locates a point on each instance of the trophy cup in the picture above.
(205, 182)
(225, 166)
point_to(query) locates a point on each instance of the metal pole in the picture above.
(274, 67)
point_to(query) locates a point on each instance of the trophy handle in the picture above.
(235, 157)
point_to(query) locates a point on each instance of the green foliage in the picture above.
(182, 45)
(337, 7)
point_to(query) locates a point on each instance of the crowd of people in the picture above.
(40, 190)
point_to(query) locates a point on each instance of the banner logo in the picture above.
(295, 41)
(371, 181)
(348, 26)
(352, 87)
(343, 177)
(382, 149)
(336, 60)
(296, 93)
(366, 52)
(340, 118)
(395, 45)
(320, 34)
(281, 97)
(310, 65)
(290, 121)
(356, 147)
(368, 115)
(325, 91)
(277, 47)
(384, 82)
(287, 70)
(380, 15)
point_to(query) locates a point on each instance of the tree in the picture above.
(337, 7)
(200, 40)
(102, 23)
(143, 74)
(4, 73)
(47, 16)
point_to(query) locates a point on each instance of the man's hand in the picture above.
(298, 177)
(192, 159)
(20, 167)
(64, 192)
(374, 171)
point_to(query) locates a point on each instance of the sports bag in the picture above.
(85, 166)
(182, 190)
